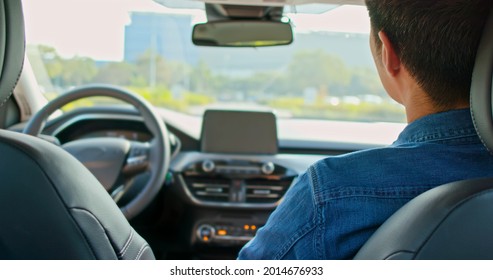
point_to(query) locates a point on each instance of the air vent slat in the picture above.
(203, 185)
(208, 188)
(273, 188)
(235, 182)
(211, 194)
(261, 192)
(270, 196)
(265, 191)
(214, 190)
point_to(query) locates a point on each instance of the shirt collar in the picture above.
(438, 127)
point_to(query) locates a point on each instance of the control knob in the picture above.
(205, 233)
(268, 168)
(208, 166)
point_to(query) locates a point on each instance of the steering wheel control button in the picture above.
(208, 166)
(137, 159)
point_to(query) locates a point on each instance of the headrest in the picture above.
(12, 46)
(481, 87)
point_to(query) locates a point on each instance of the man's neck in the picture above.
(420, 107)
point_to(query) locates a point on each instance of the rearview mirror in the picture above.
(244, 33)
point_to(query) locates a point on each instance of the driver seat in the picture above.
(51, 206)
(453, 221)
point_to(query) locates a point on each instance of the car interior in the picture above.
(140, 178)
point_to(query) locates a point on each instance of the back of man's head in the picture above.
(436, 40)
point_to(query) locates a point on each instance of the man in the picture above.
(424, 52)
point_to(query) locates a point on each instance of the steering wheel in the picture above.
(116, 161)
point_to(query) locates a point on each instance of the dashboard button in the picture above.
(205, 233)
(268, 168)
(208, 166)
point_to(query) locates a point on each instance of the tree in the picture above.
(53, 63)
(157, 71)
(78, 71)
(118, 73)
(201, 78)
(67, 72)
(366, 81)
(316, 69)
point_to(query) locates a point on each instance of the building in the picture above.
(168, 35)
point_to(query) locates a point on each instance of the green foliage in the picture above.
(367, 112)
(162, 97)
(157, 71)
(317, 69)
(67, 72)
(305, 87)
(87, 102)
(195, 99)
(78, 71)
(201, 78)
(117, 73)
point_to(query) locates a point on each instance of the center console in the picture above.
(244, 192)
(236, 181)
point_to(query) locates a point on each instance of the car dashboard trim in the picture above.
(297, 163)
(96, 116)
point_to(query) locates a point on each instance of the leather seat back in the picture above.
(51, 206)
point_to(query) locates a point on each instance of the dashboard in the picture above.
(213, 202)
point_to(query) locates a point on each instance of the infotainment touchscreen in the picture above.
(239, 132)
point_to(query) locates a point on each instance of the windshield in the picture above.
(327, 73)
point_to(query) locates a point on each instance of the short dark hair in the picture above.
(436, 40)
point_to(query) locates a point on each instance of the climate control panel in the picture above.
(238, 168)
(226, 234)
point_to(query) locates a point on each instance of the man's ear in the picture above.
(390, 60)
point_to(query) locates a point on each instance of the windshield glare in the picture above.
(327, 73)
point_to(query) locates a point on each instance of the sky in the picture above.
(95, 28)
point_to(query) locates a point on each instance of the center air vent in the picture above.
(209, 189)
(265, 191)
(241, 183)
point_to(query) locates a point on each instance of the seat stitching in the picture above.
(16, 81)
(123, 251)
(141, 251)
(479, 134)
(82, 231)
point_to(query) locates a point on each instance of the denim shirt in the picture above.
(335, 206)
